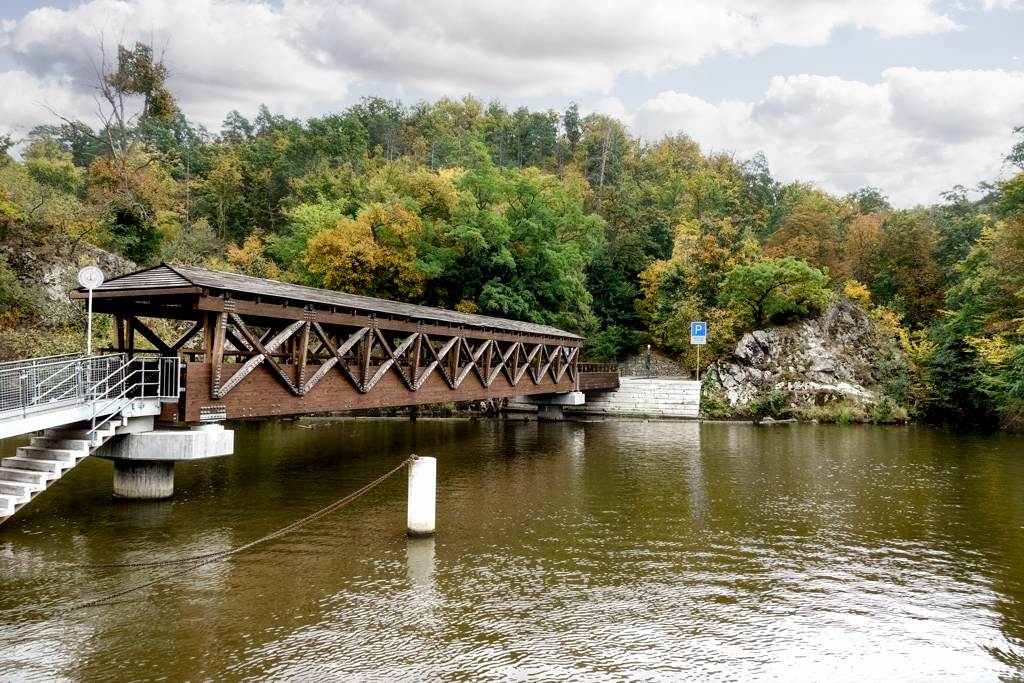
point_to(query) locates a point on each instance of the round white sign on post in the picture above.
(90, 277)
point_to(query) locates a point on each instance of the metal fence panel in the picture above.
(39, 384)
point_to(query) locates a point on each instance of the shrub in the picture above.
(772, 405)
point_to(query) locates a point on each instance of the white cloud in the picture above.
(27, 108)
(224, 54)
(1003, 4)
(915, 134)
(236, 53)
(536, 47)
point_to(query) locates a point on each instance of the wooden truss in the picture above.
(302, 353)
(256, 348)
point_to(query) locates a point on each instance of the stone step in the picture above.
(52, 468)
(36, 479)
(675, 405)
(646, 402)
(657, 390)
(81, 434)
(59, 454)
(7, 505)
(650, 392)
(645, 408)
(22, 493)
(54, 442)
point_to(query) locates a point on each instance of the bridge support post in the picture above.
(549, 406)
(144, 460)
(422, 496)
(143, 479)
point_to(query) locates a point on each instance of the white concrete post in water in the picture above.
(422, 495)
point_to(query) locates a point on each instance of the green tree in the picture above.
(516, 245)
(810, 234)
(776, 289)
(909, 279)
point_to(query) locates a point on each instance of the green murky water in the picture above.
(612, 551)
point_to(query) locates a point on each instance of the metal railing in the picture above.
(138, 378)
(41, 384)
(598, 367)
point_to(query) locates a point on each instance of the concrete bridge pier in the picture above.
(549, 406)
(143, 479)
(144, 461)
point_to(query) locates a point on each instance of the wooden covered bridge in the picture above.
(255, 348)
(231, 346)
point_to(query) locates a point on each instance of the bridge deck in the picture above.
(259, 347)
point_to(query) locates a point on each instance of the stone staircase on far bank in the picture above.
(640, 396)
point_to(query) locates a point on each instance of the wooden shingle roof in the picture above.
(172, 278)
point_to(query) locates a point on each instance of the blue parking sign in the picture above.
(698, 333)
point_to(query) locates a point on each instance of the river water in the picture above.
(602, 551)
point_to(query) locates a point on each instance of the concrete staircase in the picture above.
(49, 457)
(639, 396)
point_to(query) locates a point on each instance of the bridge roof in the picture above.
(169, 279)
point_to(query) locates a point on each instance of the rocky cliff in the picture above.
(54, 275)
(38, 317)
(840, 366)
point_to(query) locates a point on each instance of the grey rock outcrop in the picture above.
(815, 362)
(54, 277)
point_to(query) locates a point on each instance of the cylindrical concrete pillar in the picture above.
(422, 496)
(143, 479)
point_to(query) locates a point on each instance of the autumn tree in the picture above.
(909, 279)
(862, 248)
(373, 254)
(129, 95)
(809, 234)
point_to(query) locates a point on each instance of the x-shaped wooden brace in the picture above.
(263, 355)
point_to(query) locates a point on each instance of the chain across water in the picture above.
(209, 558)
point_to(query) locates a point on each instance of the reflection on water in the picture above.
(601, 551)
(420, 558)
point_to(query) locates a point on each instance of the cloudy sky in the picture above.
(911, 96)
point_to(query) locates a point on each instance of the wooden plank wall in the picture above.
(598, 381)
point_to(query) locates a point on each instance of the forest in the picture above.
(548, 216)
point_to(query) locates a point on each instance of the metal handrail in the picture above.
(40, 384)
(164, 388)
(598, 367)
(26, 386)
(44, 360)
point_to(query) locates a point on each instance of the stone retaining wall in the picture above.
(640, 396)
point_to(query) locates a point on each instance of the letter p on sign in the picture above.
(699, 333)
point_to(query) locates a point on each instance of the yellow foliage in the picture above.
(916, 346)
(857, 292)
(133, 183)
(995, 351)
(249, 259)
(344, 256)
(650, 282)
(371, 254)
(467, 306)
